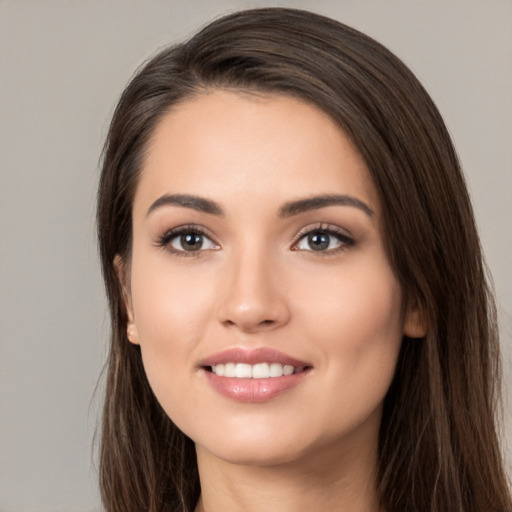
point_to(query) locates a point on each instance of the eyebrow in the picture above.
(289, 209)
(197, 203)
(316, 202)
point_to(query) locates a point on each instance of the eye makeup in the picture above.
(323, 239)
(187, 240)
(192, 239)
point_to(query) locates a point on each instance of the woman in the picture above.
(300, 314)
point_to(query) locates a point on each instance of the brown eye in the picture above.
(188, 242)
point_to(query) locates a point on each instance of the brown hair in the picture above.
(438, 448)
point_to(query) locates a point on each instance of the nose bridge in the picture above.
(253, 297)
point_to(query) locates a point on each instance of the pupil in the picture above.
(191, 241)
(318, 241)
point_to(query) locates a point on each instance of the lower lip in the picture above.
(254, 390)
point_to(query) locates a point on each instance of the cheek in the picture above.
(357, 322)
(365, 312)
(361, 300)
(171, 313)
(169, 301)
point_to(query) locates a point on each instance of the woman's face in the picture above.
(267, 313)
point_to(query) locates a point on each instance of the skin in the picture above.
(256, 282)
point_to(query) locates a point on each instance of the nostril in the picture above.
(252, 316)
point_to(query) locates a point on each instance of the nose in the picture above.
(253, 295)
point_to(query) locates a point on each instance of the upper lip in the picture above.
(252, 356)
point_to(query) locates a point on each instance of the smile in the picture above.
(253, 375)
(255, 371)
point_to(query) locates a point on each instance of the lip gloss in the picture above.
(254, 390)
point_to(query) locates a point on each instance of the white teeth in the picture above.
(276, 370)
(243, 371)
(256, 371)
(230, 370)
(287, 369)
(260, 371)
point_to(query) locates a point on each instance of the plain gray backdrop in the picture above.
(63, 65)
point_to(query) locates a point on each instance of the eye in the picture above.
(191, 242)
(186, 240)
(323, 239)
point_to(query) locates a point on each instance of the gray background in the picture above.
(63, 65)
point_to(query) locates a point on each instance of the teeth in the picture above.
(288, 370)
(260, 371)
(230, 370)
(243, 371)
(254, 371)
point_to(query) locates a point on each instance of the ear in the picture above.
(131, 328)
(415, 322)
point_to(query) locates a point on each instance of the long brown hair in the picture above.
(438, 447)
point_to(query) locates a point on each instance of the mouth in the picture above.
(254, 375)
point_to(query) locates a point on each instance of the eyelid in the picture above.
(331, 229)
(164, 241)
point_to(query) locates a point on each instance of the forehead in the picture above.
(223, 144)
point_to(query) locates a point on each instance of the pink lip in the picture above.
(253, 390)
(251, 356)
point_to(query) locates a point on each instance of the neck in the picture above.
(332, 480)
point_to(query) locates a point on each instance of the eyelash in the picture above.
(167, 238)
(325, 229)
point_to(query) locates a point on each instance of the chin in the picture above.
(268, 453)
(249, 442)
